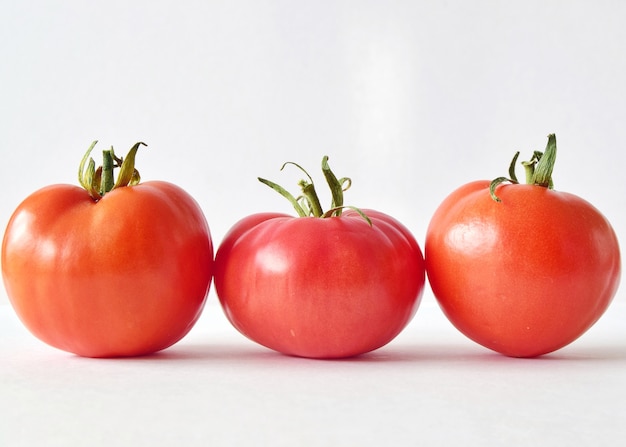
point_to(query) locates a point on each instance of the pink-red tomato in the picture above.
(125, 275)
(319, 287)
(524, 276)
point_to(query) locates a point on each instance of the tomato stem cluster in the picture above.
(99, 181)
(308, 203)
(538, 169)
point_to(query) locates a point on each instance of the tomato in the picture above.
(524, 274)
(318, 287)
(124, 275)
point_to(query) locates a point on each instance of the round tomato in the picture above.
(320, 287)
(124, 275)
(524, 274)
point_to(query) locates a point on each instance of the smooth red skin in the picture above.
(319, 288)
(526, 276)
(125, 276)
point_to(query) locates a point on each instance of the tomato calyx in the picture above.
(538, 169)
(99, 181)
(308, 204)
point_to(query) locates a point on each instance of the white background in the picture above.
(408, 98)
(411, 99)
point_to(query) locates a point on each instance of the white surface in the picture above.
(430, 386)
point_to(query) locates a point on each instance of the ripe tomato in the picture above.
(125, 275)
(525, 274)
(320, 287)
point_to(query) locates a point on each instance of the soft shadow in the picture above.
(403, 354)
(471, 353)
(249, 353)
(215, 352)
(613, 353)
(455, 353)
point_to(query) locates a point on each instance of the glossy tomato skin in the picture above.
(125, 276)
(526, 276)
(319, 288)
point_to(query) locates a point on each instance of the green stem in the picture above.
(310, 205)
(107, 172)
(529, 170)
(100, 181)
(538, 169)
(308, 191)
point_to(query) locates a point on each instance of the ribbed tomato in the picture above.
(325, 285)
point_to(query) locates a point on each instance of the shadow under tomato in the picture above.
(612, 353)
(404, 354)
(453, 353)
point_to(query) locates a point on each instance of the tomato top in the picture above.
(308, 204)
(100, 181)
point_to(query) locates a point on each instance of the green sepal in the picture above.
(128, 175)
(308, 203)
(286, 194)
(335, 186)
(545, 165)
(99, 181)
(538, 169)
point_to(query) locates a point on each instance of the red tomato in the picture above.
(323, 285)
(524, 276)
(320, 288)
(125, 275)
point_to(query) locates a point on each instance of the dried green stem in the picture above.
(100, 181)
(308, 204)
(538, 169)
